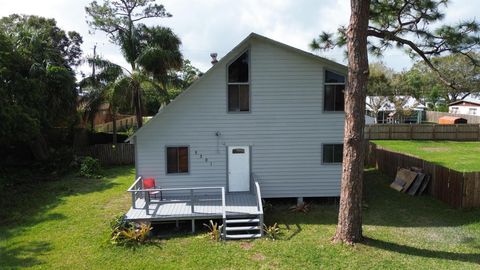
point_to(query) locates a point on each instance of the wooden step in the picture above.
(251, 220)
(242, 228)
(243, 236)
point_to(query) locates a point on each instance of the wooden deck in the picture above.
(241, 212)
(205, 207)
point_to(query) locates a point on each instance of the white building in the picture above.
(464, 107)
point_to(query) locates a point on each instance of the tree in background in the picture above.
(37, 82)
(401, 23)
(379, 88)
(151, 51)
(458, 69)
(103, 87)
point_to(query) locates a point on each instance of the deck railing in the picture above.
(259, 200)
(138, 192)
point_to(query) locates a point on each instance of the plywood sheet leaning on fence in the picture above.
(403, 179)
(416, 184)
(458, 189)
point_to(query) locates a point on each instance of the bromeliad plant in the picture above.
(127, 233)
(272, 232)
(214, 230)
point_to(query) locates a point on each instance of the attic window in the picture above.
(333, 98)
(238, 85)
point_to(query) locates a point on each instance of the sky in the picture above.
(206, 26)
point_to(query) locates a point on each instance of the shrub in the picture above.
(90, 167)
(119, 223)
(127, 233)
(272, 232)
(215, 231)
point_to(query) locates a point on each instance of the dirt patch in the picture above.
(246, 245)
(258, 257)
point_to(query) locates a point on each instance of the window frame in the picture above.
(249, 83)
(166, 159)
(323, 150)
(325, 84)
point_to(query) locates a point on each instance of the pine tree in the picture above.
(377, 25)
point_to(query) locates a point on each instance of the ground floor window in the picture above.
(332, 153)
(177, 159)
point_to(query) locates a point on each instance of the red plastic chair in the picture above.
(149, 183)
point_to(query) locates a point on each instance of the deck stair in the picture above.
(244, 227)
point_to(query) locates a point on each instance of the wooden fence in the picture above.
(432, 116)
(109, 154)
(122, 124)
(460, 132)
(460, 190)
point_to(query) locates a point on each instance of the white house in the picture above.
(383, 109)
(471, 107)
(266, 114)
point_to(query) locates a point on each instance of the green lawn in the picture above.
(63, 224)
(460, 156)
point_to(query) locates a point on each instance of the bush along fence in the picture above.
(459, 132)
(110, 154)
(458, 189)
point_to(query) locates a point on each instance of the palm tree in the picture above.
(113, 85)
(152, 52)
(104, 87)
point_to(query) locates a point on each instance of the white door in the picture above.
(238, 168)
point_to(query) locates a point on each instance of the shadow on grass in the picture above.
(26, 203)
(420, 252)
(22, 255)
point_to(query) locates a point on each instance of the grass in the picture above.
(460, 156)
(63, 224)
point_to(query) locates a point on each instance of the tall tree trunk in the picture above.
(349, 227)
(138, 104)
(114, 127)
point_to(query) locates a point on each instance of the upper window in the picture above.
(472, 111)
(238, 85)
(177, 159)
(332, 153)
(333, 99)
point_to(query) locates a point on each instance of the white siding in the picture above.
(285, 128)
(465, 109)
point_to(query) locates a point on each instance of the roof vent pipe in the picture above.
(214, 58)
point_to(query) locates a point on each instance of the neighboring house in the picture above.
(470, 107)
(385, 111)
(266, 112)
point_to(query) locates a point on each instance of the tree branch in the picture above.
(388, 35)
